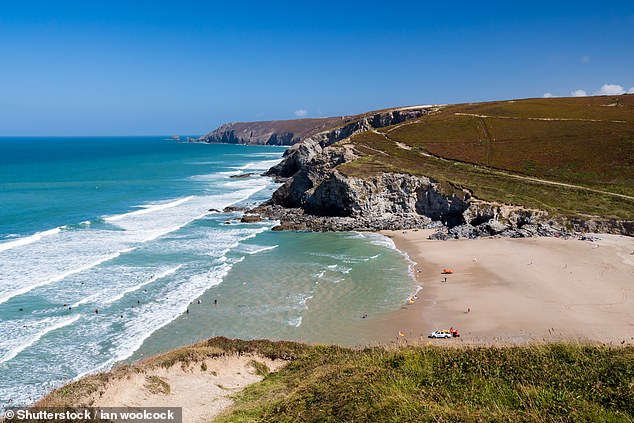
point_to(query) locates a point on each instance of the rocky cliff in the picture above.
(289, 132)
(300, 154)
(273, 132)
(316, 195)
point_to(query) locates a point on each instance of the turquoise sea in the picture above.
(108, 252)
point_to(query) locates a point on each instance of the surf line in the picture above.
(63, 276)
(28, 240)
(17, 350)
(142, 284)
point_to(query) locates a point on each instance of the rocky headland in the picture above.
(289, 132)
(318, 194)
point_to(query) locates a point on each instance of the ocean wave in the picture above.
(11, 354)
(150, 280)
(148, 208)
(256, 249)
(377, 239)
(62, 276)
(154, 315)
(295, 322)
(85, 300)
(339, 269)
(260, 165)
(28, 240)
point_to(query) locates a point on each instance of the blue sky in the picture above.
(184, 67)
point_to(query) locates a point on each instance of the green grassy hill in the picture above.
(570, 156)
(557, 382)
(550, 382)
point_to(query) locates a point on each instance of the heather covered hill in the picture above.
(568, 156)
(582, 140)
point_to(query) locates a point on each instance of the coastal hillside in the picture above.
(289, 132)
(550, 382)
(545, 165)
(272, 132)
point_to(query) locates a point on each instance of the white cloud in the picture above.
(610, 89)
(585, 59)
(548, 95)
(630, 91)
(300, 113)
(578, 93)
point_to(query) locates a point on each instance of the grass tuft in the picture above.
(156, 385)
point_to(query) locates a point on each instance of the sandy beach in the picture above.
(513, 291)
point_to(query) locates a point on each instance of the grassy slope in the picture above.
(535, 383)
(560, 382)
(596, 152)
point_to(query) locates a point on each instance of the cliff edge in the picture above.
(519, 168)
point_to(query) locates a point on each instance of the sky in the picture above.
(185, 67)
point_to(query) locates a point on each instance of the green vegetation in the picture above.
(157, 385)
(491, 149)
(260, 368)
(547, 382)
(425, 383)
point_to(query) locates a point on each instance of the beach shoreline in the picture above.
(507, 291)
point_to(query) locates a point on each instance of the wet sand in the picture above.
(514, 291)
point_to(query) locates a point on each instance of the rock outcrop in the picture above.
(300, 154)
(272, 132)
(317, 196)
(322, 198)
(327, 130)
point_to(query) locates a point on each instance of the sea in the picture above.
(116, 248)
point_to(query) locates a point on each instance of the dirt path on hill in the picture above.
(497, 171)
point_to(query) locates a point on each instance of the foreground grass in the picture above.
(532, 383)
(552, 382)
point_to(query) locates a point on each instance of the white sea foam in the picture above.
(72, 252)
(154, 315)
(296, 322)
(59, 277)
(85, 300)
(149, 208)
(378, 240)
(256, 249)
(134, 288)
(11, 354)
(261, 165)
(339, 269)
(27, 240)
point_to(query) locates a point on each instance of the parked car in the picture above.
(440, 334)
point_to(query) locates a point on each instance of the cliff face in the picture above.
(322, 130)
(299, 154)
(241, 133)
(272, 132)
(324, 198)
